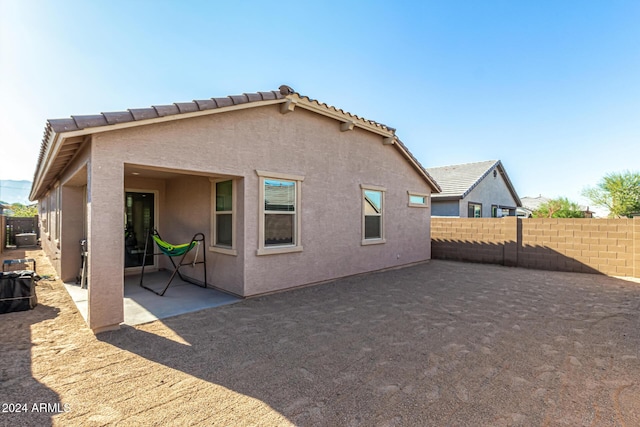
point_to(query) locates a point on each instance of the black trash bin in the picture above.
(17, 291)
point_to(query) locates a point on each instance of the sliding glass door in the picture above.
(139, 218)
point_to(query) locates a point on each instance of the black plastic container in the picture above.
(17, 291)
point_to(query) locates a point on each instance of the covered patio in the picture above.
(142, 306)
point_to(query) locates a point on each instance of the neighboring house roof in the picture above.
(64, 137)
(530, 204)
(533, 203)
(457, 181)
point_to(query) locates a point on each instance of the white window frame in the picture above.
(44, 214)
(382, 190)
(51, 215)
(474, 204)
(425, 197)
(227, 250)
(58, 213)
(297, 229)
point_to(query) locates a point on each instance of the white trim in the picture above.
(297, 238)
(226, 250)
(278, 175)
(223, 250)
(417, 194)
(340, 116)
(372, 242)
(382, 190)
(372, 187)
(346, 126)
(273, 250)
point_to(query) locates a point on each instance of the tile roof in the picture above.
(457, 181)
(533, 203)
(156, 111)
(85, 124)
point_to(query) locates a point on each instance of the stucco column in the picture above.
(106, 241)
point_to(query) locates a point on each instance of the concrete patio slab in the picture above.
(143, 306)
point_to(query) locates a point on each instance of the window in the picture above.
(475, 210)
(58, 225)
(372, 215)
(418, 200)
(44, 214)
(223, 227)
(279, 225)
(494, 211)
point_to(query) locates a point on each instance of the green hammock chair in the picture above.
(172, 251)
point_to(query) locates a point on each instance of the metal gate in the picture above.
(18, 225)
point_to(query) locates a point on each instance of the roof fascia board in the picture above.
(319, 109)
(53, 147)
(417, 167)
(510, 186)
(57, 139)
(445, 198)
(135, 123)
(479, 180)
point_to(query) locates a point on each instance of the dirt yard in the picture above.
(440, 343)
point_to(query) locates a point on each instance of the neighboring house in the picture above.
(530, 204)
(287, 190)
(474, 190)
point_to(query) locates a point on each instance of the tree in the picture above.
(558, 208)
(23, 211)
(618, 192)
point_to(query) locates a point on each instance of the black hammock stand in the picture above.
(172, 251)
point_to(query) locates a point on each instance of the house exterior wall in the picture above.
(445, 208)
(489, 191)
(236, 144)
(70, 212)
(334, 165)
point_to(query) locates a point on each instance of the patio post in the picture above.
(106, 242)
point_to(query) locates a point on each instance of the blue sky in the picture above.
(551, 88)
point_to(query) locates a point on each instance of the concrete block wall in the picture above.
(474, 239)
(3, 230)
(606, 246)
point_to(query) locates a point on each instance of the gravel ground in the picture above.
(439, 343)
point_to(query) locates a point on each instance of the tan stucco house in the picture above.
(287, 190)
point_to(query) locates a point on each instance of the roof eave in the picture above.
(58, 131)
(441, 198)
(53, 139)
(510, 186)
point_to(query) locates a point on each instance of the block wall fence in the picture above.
(3, 231)
(601, 246)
